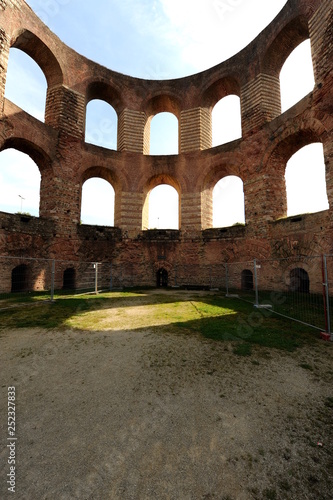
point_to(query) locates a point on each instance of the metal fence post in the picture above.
(96, 278)
(256, 282)
(52, 279)
(327, 298)
(226, 279)
(111, 276)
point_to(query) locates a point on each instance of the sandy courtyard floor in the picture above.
(154, 415)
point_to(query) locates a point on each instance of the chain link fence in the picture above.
(22, 278)
(299, 288)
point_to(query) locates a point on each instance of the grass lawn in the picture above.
(211, 315)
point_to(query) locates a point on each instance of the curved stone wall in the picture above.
(259, 158)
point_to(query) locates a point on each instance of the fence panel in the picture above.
(328, 285)
(299, 288)
(23, 278)
(240, 280)
(294, 288)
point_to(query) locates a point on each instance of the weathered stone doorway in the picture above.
(162, 278)
(69, 279)
(20, 278)
(247, 280)
(299, 280)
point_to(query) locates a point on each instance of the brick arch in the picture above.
(219, 89)
(43, 163)
(286, 145)
(159, 179)
(231, 164)
(36, 152)
(162, 103)
(209, 182)
(112, 178)
(102, 173)
(34, 47)
(218, 173)
(275, 165)
(159, 104)
(106, 92)
(294, 33)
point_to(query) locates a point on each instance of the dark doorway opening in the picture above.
(69, 279)
(247, 280)
(20, 279)
(299, 280)
(162, 278)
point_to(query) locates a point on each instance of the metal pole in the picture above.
(256, 282)
(111, 276)
(96, 278)
(52, 279)
(328, 319)
(227, 278)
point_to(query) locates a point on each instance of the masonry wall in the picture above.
(269, 139)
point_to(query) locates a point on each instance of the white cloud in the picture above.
(210, 32)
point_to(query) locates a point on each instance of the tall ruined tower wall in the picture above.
(259, 158)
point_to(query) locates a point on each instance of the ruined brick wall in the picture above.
(269, 138)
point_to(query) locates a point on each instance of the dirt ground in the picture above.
(147, 414)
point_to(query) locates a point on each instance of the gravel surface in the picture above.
(154, 415)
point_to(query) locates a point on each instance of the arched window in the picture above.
(226, 120)
(163, 208)
(97, 205)
(19, 183)
(228, 202)
(306, 181)
(296, 76)
(101, 124)
(164, 134)
(26, 84)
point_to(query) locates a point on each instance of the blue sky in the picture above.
(153, 39)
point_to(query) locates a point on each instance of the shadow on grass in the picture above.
(213, 316)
